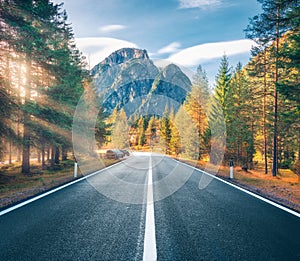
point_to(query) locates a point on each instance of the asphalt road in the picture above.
(217, 223)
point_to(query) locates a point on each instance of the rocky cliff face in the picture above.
(124, 55)
(130, 80)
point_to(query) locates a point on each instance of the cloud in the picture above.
(202, 4)
(171, 48)
(112, 27)
(97, 49)
(195, 55)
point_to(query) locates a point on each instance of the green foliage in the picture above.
(189, 136)
(141, 132)
(35, 35)
(165, 131)
(197, 103)
(267, 29)
(120, 138)
(222, 83)
(240, 132)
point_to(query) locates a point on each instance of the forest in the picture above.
(43, 75)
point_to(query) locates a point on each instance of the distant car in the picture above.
(126, 152)
(114, 154)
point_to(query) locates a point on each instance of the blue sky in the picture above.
(187, 32)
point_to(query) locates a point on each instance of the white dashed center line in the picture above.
(149, 239)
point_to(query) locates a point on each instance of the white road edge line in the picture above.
(247, 191)
(5, 211)
(149, 239)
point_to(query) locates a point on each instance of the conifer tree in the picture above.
(268, 27)
(222, 83)
(175, 135)
(141, 132)
(189, 137)
(240, 123)
(120, 138)
(151, 131)
(196, 104)
(165, 131)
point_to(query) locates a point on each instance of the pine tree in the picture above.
(258, 69)
(189, 136)
(120, 138)
(268, 27)
(240, 123)
(165, 131)
(151, 131)
(222, 83)
(175, 135)
(196, 104)
(141, 132)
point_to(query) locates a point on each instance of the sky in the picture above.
(186, 32)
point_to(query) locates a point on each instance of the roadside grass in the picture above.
(15, 187)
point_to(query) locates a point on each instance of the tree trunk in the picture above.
(265, 116)
(39, 156)
(64, 153)
(19, 113)
(26, 117)
(52, 156)
(26, 148)
(56, 155)
(275, 159)
(10, 152)
(48, 153)
(43, 156)
(299, 144)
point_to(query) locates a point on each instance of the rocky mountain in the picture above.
(130, 80)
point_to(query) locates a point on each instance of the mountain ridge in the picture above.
(129, 79)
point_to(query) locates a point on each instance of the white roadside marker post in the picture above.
(75, 167)
(231, 168)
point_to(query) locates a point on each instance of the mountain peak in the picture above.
(124, 55)
(129, 79)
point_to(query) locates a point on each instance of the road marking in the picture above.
(248, 192)
(149, 239)
(5, 211)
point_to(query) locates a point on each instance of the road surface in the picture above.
(219, 222)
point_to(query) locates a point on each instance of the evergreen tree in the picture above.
(141, 132)
(260, 83)
(268, 27)
(189, 136)
(151, 131)
(196, 104)
(175, 136)
(120, 139)
(218, 109)
(222, 83)
(165, 131)
(240, 123)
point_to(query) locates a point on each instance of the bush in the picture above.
(286, 164)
